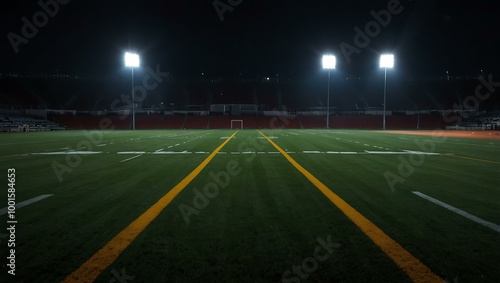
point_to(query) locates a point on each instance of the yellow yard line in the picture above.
(103, 258)
(412, 266)
(471, 158)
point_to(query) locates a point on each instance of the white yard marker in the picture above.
(25, 203)
(131, 152)
(311, 151)
(421, 152)
(172, 152)
(386, 152)
(133, 157)
(67, 152)
(467, 215)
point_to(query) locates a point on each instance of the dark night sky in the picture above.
(256, 38)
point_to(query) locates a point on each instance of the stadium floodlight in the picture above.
(329, 62)
(132, 60)
(386, 61)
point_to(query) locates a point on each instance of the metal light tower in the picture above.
(132, 60)
(386, 61)
(329, 62)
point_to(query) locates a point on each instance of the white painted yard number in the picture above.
(221, 7)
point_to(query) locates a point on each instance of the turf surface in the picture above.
(262, 217)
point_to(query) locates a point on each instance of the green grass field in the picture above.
(250, 215)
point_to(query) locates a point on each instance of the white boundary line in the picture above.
(130, 158)
(25, 203)
(469, 216)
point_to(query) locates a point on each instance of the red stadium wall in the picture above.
(172, 122)
(144, 122)
(69, 121)
(356, 122)
(148, 122)
(220, 122)
(392, 122)
(196, 122)
(312, 122)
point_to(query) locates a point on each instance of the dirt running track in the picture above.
(487, 135)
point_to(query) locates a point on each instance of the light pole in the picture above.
(132, 60)
(386, 61)
(329, 62)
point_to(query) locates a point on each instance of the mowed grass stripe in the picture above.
(412, 266)
(93, 267)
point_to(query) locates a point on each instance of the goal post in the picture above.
(237, 124)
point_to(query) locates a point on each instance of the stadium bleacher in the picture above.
(14, 120)
(487, 121)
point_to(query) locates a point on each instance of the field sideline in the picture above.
(251, 206)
